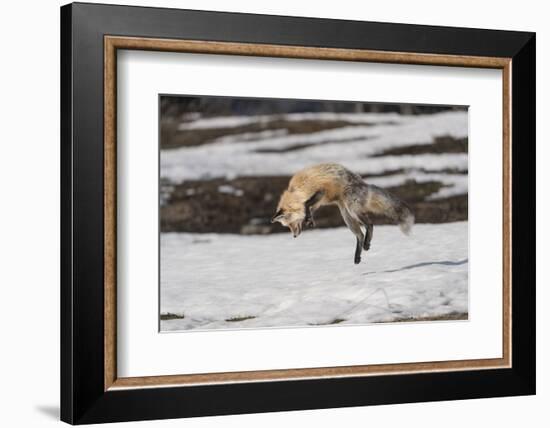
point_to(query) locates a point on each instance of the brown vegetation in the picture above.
(199, 206)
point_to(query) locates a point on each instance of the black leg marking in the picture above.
(355, 227)
(308, 206)
(309, 221)
(358, 248)
(368, 236)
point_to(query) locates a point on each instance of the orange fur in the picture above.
(303, 185)
(330, 183)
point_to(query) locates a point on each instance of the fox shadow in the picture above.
(423, 264)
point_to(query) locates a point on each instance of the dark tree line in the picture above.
(175, 106)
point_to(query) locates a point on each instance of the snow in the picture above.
(353, 146)
(278, 281)
(235, 121)
(230, 190)
(213, 281)
(454, 184)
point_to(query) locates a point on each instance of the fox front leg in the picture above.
(309, 208)
(309, 221)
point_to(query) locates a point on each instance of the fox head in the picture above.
(290, 212)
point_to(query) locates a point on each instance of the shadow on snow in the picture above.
(423, 264)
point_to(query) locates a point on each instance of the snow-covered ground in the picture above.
(219, 281)
(199, 122)
(367, 134)
(212, 281)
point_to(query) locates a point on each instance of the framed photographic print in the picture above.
(265, 213)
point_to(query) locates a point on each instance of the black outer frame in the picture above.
(83, 399)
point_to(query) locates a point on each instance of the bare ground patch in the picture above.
(453, 316)
(199, 206)
(240, 318)
(301, 146)
(170, 316)
(390, 172)
(331, 322)
(440, 145)
(172, 137)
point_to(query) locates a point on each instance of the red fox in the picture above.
(332, 184)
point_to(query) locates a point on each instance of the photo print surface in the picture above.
(307, 213)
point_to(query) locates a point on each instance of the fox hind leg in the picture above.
(358, 250)
(355, 227)
(368, 236)
(369, 228)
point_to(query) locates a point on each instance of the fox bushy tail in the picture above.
(381, 202)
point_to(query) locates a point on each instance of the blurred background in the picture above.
(226, 160)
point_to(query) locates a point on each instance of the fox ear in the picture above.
(278, 216)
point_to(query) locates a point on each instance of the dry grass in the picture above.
(332, 322)
(453, 316)
(172, 137)
(170, 316)
(199, 207)
(443, 144)
(239, 319)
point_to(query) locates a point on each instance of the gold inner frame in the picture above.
(113, 43)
